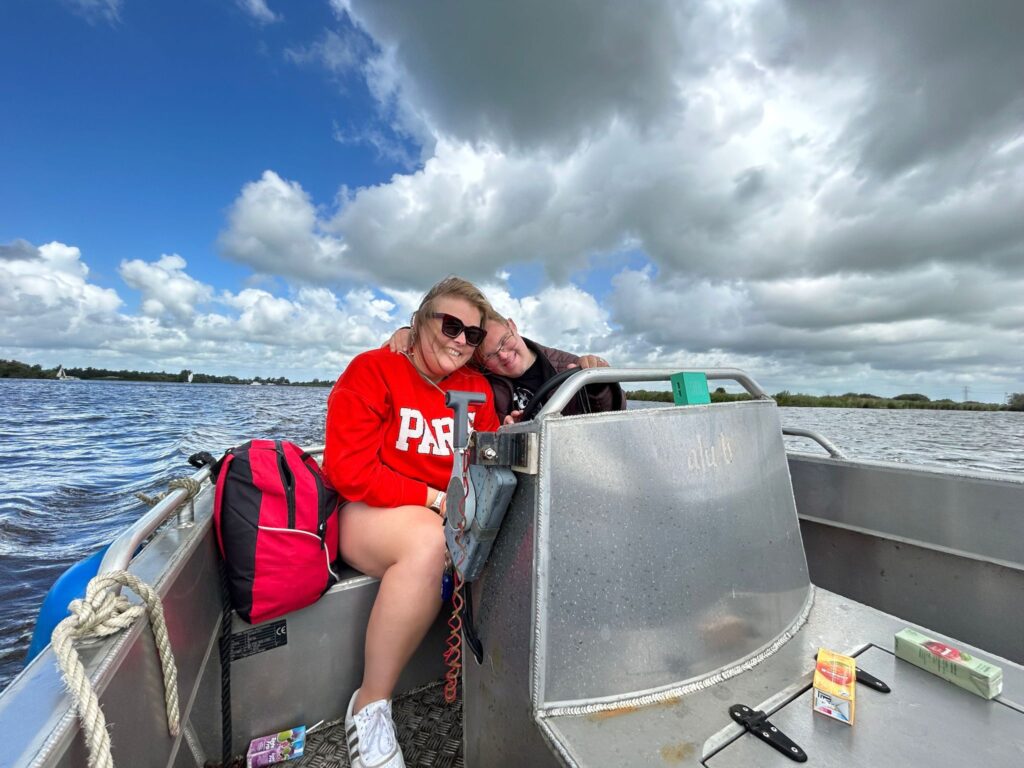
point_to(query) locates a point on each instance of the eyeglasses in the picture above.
(451, 327)
(501, 346)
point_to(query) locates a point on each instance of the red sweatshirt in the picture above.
(389, 433)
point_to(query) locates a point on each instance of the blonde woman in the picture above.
(389, 454)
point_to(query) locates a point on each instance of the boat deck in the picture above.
(429, 730)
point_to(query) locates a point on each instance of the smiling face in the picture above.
(438, 354)
(504, 352)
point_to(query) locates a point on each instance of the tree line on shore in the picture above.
(13, 369)
(1014, 402)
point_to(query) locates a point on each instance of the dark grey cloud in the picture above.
(941, 77)
(538, 74)
(19, 250)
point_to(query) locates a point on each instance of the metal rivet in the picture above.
(490, 454)
(795, 749)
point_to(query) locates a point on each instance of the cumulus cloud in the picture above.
(936, 321)
(46, 298)
(166, 289)
(275, 228)
(48, 306)
(533, 74)
(826, 191)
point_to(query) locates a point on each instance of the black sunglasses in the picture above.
(451, 327)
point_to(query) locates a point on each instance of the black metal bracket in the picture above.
(468, 627)
(757, 723)
(869, 680)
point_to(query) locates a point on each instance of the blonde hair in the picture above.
(454, 287)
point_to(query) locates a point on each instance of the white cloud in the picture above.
(47, 300)
(274, 228)
(259, 11)
(97, 10)
(49, 309)
(337, 53)
(166, 288)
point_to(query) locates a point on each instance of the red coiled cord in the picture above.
(453, 653)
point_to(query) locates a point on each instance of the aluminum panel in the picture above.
(668, 546)
(980, 514)
(685, 730)
(924, 721)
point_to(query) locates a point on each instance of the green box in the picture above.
(690, 389)
(949, 663)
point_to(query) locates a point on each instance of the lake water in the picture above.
(73, 454)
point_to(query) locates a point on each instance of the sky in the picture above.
(828, 195)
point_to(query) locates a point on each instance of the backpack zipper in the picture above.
(321, 513)
(288, 480)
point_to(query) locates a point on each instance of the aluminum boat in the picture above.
(655, 569)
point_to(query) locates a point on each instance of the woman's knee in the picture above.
(429, 553)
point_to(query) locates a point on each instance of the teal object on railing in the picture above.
(690, 388)
(69, 586)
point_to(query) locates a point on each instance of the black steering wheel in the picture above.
(541, 395)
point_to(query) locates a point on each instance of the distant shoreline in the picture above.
(13, 369)
(849, 400)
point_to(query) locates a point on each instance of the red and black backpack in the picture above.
(277, 528)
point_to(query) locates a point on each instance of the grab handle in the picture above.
(587, 376)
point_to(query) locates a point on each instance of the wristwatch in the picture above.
(438, 501)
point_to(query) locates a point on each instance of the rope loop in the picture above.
(100, 613)
(190, 485)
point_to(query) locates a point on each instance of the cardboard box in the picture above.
(833, 692)
(276, 748)
(951, 664)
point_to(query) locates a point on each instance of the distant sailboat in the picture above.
(63, 376)
(190, 375)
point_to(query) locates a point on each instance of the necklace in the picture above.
(430, 381)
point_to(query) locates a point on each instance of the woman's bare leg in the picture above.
(403, 547)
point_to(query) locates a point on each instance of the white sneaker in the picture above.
(372, 742)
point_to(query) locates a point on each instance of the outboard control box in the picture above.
(470, 531)
(477, 496)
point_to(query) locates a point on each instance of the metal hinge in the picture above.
(757, 723)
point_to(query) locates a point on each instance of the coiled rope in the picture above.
(100, 613)
(190, 485)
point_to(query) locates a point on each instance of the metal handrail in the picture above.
(824, 442)
(575, 383)
(120, 553)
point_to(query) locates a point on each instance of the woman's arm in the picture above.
(357, 413)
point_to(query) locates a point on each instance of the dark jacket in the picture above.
(591, 399)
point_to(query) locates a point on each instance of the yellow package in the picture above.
(833, 692)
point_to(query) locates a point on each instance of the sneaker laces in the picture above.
(378, 738)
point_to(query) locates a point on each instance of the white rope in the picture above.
(103, 612)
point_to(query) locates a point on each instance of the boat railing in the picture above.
(586, 376)
(810, 434)
(124, 547)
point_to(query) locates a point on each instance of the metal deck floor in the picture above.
(429, 730)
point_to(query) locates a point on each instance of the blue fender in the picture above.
(69, 585)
